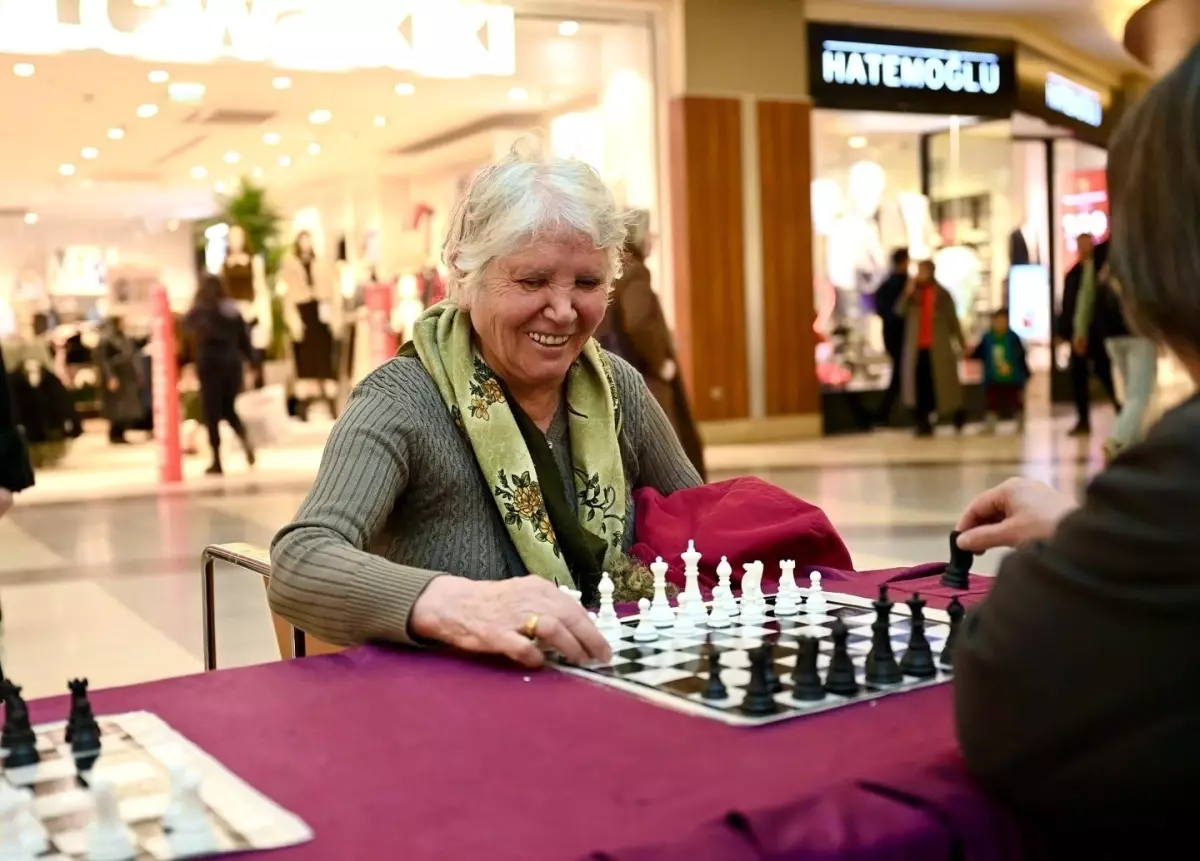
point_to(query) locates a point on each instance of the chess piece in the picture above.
(956, 612)
(752, 612)
(840, 678)
(12, 842)
(815, 602)
(759, 700)
(881, 667)
(719, 616)
(106, 835)
(571, 593)
(661, 614)
(83, 732)
(32, 831)
(918, 657)
(806, 680)
(715, 689)
(725, 585)
(691, 575)
(958, 570)
(607, 621)
(774, 683)
(191, 831)
(685, 625)
(645, 632)
(785, 600)
(174, 800)
(17, 736)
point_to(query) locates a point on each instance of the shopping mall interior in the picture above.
(319, 150)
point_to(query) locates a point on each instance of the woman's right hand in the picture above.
(488, 616)
(1012, 513)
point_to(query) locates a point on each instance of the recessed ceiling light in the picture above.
(116, 133)
(271, 138)
(31, 218)
(173, 225)
(404, 88)
(23, 70)
(285, 161)
(220, 187)
(90, 152)
(320, 117)
(158, 76)
(257, 173)
(857, 142)
(568, 28)
(380, 122)
(232, 157)
(147, 111)
(518, 94)
(185, 92)
(282, 82)
(314, 149)
(199, 172)
(66, 169)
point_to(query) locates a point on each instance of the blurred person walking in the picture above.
(886, 297)
(221, 346)
(933, 342)
(1078, 326)
(1005, 372)
(120, 380)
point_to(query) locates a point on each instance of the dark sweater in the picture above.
(1078, 678)
(219, 335)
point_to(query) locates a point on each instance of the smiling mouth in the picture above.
(548, 340)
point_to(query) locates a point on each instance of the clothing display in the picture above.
(313, 351)
(238, 279)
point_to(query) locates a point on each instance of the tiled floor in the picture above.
(109, 588)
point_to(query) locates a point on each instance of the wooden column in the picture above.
(706, 198)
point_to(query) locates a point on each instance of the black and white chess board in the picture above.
(138, 753)
(673, 670)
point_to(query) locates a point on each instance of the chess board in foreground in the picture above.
(138, 751)
(673, 670)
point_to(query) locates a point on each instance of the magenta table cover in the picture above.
(418, 756)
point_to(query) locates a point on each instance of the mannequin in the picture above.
(312, 306)
(245, 281)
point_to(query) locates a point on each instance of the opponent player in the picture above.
(1078, 678)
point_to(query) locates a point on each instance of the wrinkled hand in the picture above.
(1012, 513)
(487, 616)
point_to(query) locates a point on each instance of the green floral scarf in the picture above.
(442, 338)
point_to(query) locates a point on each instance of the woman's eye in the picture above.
(533, 283)
(587, 283)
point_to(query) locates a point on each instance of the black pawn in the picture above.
(19, 740)
(881, 667)
(840, 679)
(83, 732)
(958, 569)
(956, 613)
(806, 680)
(759, 700)
(918, 657)
(773, 681)
(715, 689)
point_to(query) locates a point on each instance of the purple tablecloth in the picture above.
(430, 757)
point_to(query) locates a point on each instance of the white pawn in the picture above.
(725, 587)
(661, 614)
(685, 625)
(192, 833)
(611, 633)
(719, 617)
(12, 840)
(645, 632)
(107, 837)
(816, 598)
(608, 612)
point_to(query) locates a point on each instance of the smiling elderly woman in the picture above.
(501, 446)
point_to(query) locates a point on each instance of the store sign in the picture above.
(907, 67)
(1066, 97)
(447, 38)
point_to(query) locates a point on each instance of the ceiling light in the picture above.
(147, 111)
(857, 142)
(281, 82)
(568, 28)
(271, 138)
(314, 149)
(518, 94)
(31, 218)
(320, 117)
(380, 122)
(116, 133)
(405, 89)
(285, 161)
(258, 173)
(173, 225)
(220, 187)
(90, 152)
(66, 169)
(23, 70)
(158, 76)
(232, 157)
(185, 92)
(199, 172)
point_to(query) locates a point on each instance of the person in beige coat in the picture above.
(933, 342)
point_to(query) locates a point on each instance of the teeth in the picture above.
(549, 340)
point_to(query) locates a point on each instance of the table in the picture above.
(424, 756)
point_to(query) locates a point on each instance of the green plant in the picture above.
(249, 208)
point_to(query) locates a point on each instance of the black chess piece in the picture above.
(918, 657)
(18, 736)
(774, 683)
(958, 570)
(806, 680)
(759, 700)
(715, 689)
(881, 667)
(840, 678)
(83, 732)
(955, 611)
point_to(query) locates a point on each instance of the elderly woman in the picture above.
(494, 460)
(1078, 677)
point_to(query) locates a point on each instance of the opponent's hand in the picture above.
(1012, 513)
(488, 616)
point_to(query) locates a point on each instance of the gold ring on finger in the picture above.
(529, 629)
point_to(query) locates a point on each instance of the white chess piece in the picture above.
(608, 612)
(33, 832)
(785, 600)
(719, 617)
(171, 814)
(685, 623)
(691, 575)
(645, 632)
(725, 588)
(610, 632)
(106, 835)
(193, 833)
(661, 614)
(571, 593)
(751, 590)
(816, 598)
(12, 841)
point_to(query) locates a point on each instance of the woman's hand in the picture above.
(488, 616)
(1012, 513)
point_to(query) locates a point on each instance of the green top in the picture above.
(1085, 305)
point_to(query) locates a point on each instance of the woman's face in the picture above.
(537, 307)
(237, 239)
(924, 272)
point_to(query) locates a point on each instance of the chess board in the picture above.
(673, 671)
(137, 749)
